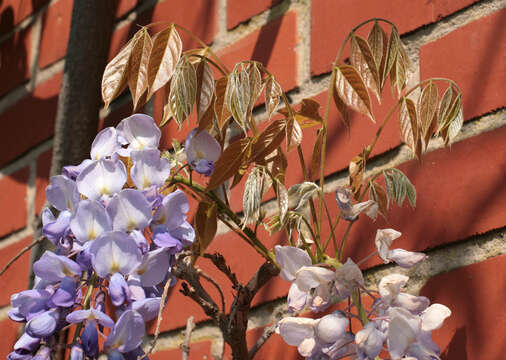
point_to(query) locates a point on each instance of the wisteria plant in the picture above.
(119, 225)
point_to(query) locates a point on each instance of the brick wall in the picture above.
(460, 220)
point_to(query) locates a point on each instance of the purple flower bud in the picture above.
(84, 260)
(89, 339)
(118, 289)
(331, 327)
(115, 355)
(19, 355)
(76, 352)
(44, 324)
(65, 295)
(27, 343)
(406, 259)
(202, 151)
(369, 341)
(44, 353)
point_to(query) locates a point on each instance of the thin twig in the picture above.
(185, 346)
(212, 281)
(219, 261)
(19, 254)
(268, 331)
(159, 319)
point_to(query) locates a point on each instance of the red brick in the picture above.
(15, 55)
(240, 11)
(42, 181)
(475, 294)
(14, 11)
(200, 19)
(274, 348)
(473, 57)
(13, 201)
(55, 32)
(273, 45)
(15, 279)
(124, 6)
(9, 331)
(332, 20)
(30, 121)
(198, 351)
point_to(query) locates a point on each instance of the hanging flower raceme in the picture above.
(109, 233)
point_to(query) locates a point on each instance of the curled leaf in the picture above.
(253, 192)
(115, 75)
(282, 196)
(299, 194)
(427, 110)
(273, 93)
(352, 90)
(205, 87)
(237, 96)
(138, 68)
(408, 123)
(220, 108)
(183, 89)
(379, 195)
(316, 156)
(363, 60)
(165, 54)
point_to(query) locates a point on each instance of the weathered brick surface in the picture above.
(31, 121)
(55, 32)
(198, 351)
(42, 180)
(9, 331)
(331, 20)
(15, 279)
(239, 11)
(15, 52)
(273, 45)
(475, 294)
(462, 53)
(12, 12)
(13, 201)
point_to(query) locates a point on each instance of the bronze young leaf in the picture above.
(229, 162)
(272, 94)
(352, 90)
(138, 68)
(165, 54)
(183, 89)
(363, 60)
(427, 111)
(205, 224)
(115, 75)
(220, 108)
(205, 87)
(408, 123)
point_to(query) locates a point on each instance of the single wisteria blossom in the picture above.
(401, 257)
(291, 259)
(369, 341)
(55, 228)
(102, 177)
(202, 151)
(127, 332)
(154, 267)
(138, 132)
(54, 268)
(391, 295)
(105, 144)
(129, 210)
(348, 277)
(90, 220)
(90, 315)
(148, 168)
(114, 252)
(350, 211)
(89, 339)
(62, 193)
(29, 303)
(298, 332)
(147, 307)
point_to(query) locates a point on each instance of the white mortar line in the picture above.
(26, 159)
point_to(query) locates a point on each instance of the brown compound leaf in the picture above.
(352, 90)
(363, 60)
(138, 68)
(229, 163)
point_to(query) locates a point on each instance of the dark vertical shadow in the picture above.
(456, 349)
(267, 38)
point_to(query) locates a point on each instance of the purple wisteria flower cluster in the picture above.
(397, 321)
(115, 237)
